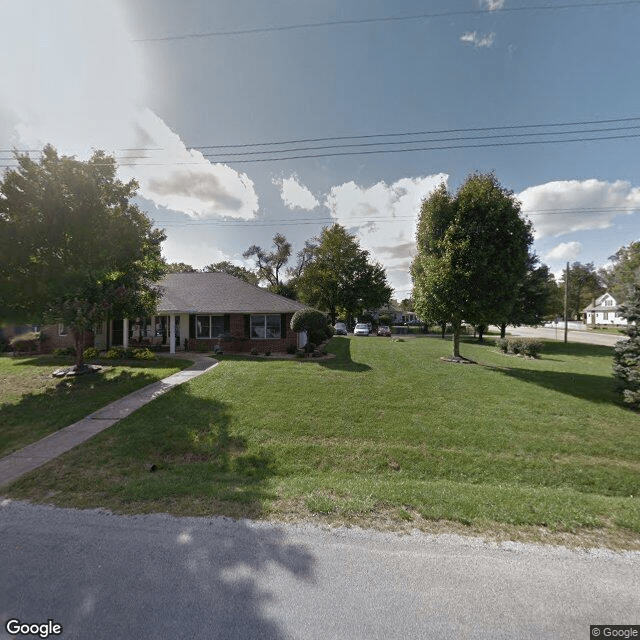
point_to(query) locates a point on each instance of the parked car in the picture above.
(361, 329)
(383, 330)
(341, 329)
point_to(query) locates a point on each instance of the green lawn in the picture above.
(386, 431)
(33, 404)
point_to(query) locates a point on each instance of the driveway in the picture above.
(104, 576)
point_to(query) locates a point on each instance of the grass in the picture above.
(33, 404)
(385, 434)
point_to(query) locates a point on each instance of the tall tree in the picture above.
(624, 272)
(269, 264)
(472, 255)
(233, 270)
(341, 277)
(584, 286)
(73, 248)
(179, 267)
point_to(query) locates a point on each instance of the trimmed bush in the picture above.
(64, 351)
(314, 322)
(115, 353)
(90, 353)
(528, 347)
(29, 341)
(143, 354)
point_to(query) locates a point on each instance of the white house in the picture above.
(602, 311)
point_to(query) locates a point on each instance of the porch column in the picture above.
(172, 333)
(125, 333)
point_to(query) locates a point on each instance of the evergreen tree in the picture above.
(626, 361)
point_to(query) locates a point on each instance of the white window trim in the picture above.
(62, 330)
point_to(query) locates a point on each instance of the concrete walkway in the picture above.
(35, 455)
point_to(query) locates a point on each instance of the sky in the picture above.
(242, 119)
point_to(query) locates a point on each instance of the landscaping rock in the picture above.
(76, 371)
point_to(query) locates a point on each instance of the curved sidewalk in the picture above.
(35, 455)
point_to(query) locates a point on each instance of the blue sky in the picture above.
(163, 79)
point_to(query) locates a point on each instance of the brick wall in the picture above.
(239, 344)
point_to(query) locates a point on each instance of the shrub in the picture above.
(202, 347)
(291, 350)
(144, 354)
(90, 353)
(314, 322)
(29, 341)
(64, 351)
(115, 353)
(267, 353)
(529, 347)
(254, 352)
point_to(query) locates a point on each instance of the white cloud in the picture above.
(295, 195)
(492, 5)
(384, 218)
(78, 82)
(564, 251)
(477, 40)
(557, 208)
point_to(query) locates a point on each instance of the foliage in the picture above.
(29, 341)
(624, 272)
(143, 354)
(529, 347)
(314, 322)
(115, 353)
(340, 276)
(584, 286)
(233, 270)
(472, 255)
(90, 353)
(287, 290)
(626, 361)
(64, 351)
(74, 249)
(179, 267)
(269, 264)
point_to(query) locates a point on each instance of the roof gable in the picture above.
(216, 292)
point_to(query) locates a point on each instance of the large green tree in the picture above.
(233, 270)
(472, 255)
(340, 275)
(624, 273)
(584, 286)
(626, 362)
(73, 248)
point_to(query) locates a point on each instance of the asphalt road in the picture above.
(140, 577)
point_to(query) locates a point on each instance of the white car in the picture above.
(361, 329)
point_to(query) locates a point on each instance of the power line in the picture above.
(360, 21)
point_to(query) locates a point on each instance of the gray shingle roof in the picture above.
(219, 293)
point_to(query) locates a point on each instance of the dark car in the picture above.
(341, 329)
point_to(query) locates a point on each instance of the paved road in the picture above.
(104, 576)
(588, 337)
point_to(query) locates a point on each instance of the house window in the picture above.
(62, 329)
(265, 327)
(209, 326)
(605, 315)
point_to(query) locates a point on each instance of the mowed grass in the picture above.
(33, 404)
(384, 432)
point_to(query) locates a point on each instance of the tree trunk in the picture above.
(78, 337)
(456, 339)
(481, 329)
(443, 327)
(503, 330)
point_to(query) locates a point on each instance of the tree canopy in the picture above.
(584, 286)
(624, 273)
(269, 264)
(233, 270)
(73, 248)
(472, 255)
(340, 276)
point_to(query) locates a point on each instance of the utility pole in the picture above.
(566, 303)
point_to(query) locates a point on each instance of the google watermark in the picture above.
(598, 631)
(15, 627)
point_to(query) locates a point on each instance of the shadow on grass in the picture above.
(341, 347)
(585, 386)
(40, 413)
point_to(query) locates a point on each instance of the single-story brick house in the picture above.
(196, 308)
(603, 310)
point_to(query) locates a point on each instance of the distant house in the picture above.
(603, 311)
(197, 310)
